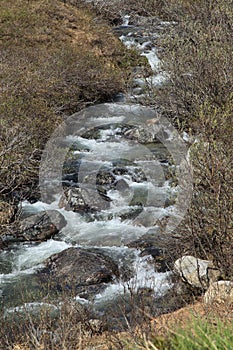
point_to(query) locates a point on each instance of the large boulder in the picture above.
(153, 238)
(41, 226)
(196, 272)
(219, 292)
(84, 271)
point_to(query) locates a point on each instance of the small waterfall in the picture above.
(126, 19)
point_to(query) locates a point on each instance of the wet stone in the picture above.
(161, 246)
(84, 200)
(85, 272)
(131, 213)
(41, 226)
(71, 164)
(161, 258)
(105, 178)
(121, 185)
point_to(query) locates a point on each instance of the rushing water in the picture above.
(107, 147)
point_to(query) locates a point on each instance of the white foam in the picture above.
(10, 277)
(102, 233)
(144, 277)
(153, 59)
(40, 206)
(30, 307)
(128, 42)
(114, 119)
(126, 20)
(30, 256)
(110, 133)
(80, 300)
(157, 79)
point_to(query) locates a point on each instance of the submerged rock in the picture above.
(112, 177)
(83, 271)
(160, 246)
(162, 260)
(130, 213)
(41, 226)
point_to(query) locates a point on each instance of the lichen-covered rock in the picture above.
(219, 292)
(196, 272)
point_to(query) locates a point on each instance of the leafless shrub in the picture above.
(113, 11)
(198, 98)
(67, 325)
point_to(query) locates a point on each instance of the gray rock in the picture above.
(196, 272)
(105, 178)
(140, 134)
(84, 271)
(41, 226)
(149, 217)
(147, 240)
(139, 196)
(155, 237)
(131, 213)
(121, 185)
(219, 292)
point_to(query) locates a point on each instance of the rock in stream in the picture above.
(86, 272)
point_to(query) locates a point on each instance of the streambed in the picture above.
(118, 157)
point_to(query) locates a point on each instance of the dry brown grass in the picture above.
(55, 58)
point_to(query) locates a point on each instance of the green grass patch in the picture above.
(204, 335)
(198, 334)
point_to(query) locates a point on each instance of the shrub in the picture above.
(208, 230)
(114, 10)
(198, 98)
(66, 325)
